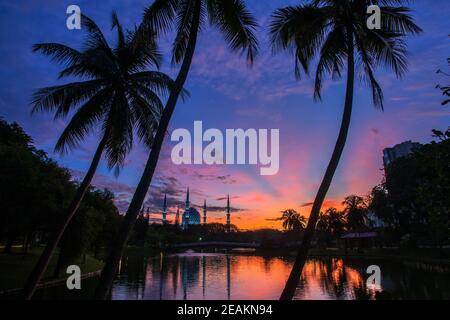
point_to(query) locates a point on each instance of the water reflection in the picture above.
(220, 276)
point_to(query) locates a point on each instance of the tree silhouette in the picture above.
(355, 212)
(120, 97)
(188, 17)
(336, 32)
(293, 221)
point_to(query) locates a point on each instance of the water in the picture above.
(196, 276)
(219, 276)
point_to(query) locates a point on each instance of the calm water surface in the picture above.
(221, 276)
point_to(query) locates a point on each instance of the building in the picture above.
(360, 240)
(401, 150)
(191, 216)
(228, 213)
(164, 212)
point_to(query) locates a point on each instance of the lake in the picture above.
(210, 276)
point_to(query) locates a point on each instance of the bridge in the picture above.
(216, 244)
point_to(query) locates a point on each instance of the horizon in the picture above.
(264, 96)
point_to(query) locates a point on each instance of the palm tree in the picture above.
(293, 221)
(117, 95)
(336, 222)
(237, 25)
(355, 212)
(336, 31)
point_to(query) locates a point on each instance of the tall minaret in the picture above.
(185, 221)
(204, 213)
(147, 215)
(177, 217)
(228, 213)
(187, 199)
(164, 212)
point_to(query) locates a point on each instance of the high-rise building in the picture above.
(401, 150)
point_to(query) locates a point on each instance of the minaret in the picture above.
(204, 213)
(187, 199)
(147, 215)
(177, 217)
(228, 213)
(185, 222)
(164, 212)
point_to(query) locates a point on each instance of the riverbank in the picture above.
(15, 268)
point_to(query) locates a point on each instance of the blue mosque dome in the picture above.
(191, 216)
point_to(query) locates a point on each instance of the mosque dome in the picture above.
(194, 216)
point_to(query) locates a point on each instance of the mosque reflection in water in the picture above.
(240, 277)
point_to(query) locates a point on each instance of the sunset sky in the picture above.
(226, 94)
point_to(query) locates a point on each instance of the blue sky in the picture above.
(226, 93)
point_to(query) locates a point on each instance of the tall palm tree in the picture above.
(188, 17)
(336, 32)
(117, 95)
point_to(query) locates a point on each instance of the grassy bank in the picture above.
(15, 267)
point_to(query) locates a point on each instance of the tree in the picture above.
(413, 200)
(293, 221)
(336, 222)
(336, 32)
(33, 188)
(85, 231)
(237, 25)
(355, 213)
(120, 97)
(34, 191)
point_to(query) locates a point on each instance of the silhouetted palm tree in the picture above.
(355, 212)
(293, 221)
(335, 31)
(117, 96)
(188, 17)
(336, 222)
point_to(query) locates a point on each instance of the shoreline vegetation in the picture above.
(15, 267)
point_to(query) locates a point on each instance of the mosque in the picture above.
(191, 216)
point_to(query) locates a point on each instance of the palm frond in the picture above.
(158, 82)
(120, 126)
(301, 29)
(120, 33)
(83, 121)
(64, 97)
(237, 25)
(160, 15)
(184, 21)
(58, 52)
(331, 61)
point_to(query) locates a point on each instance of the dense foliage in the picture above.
(35, 191)
(414, 200)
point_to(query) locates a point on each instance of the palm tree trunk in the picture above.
(294, 277)
(111, 263)
(44, 259)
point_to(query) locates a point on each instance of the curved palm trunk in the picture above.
(294, 277)
(44, 259)
(111, 263)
